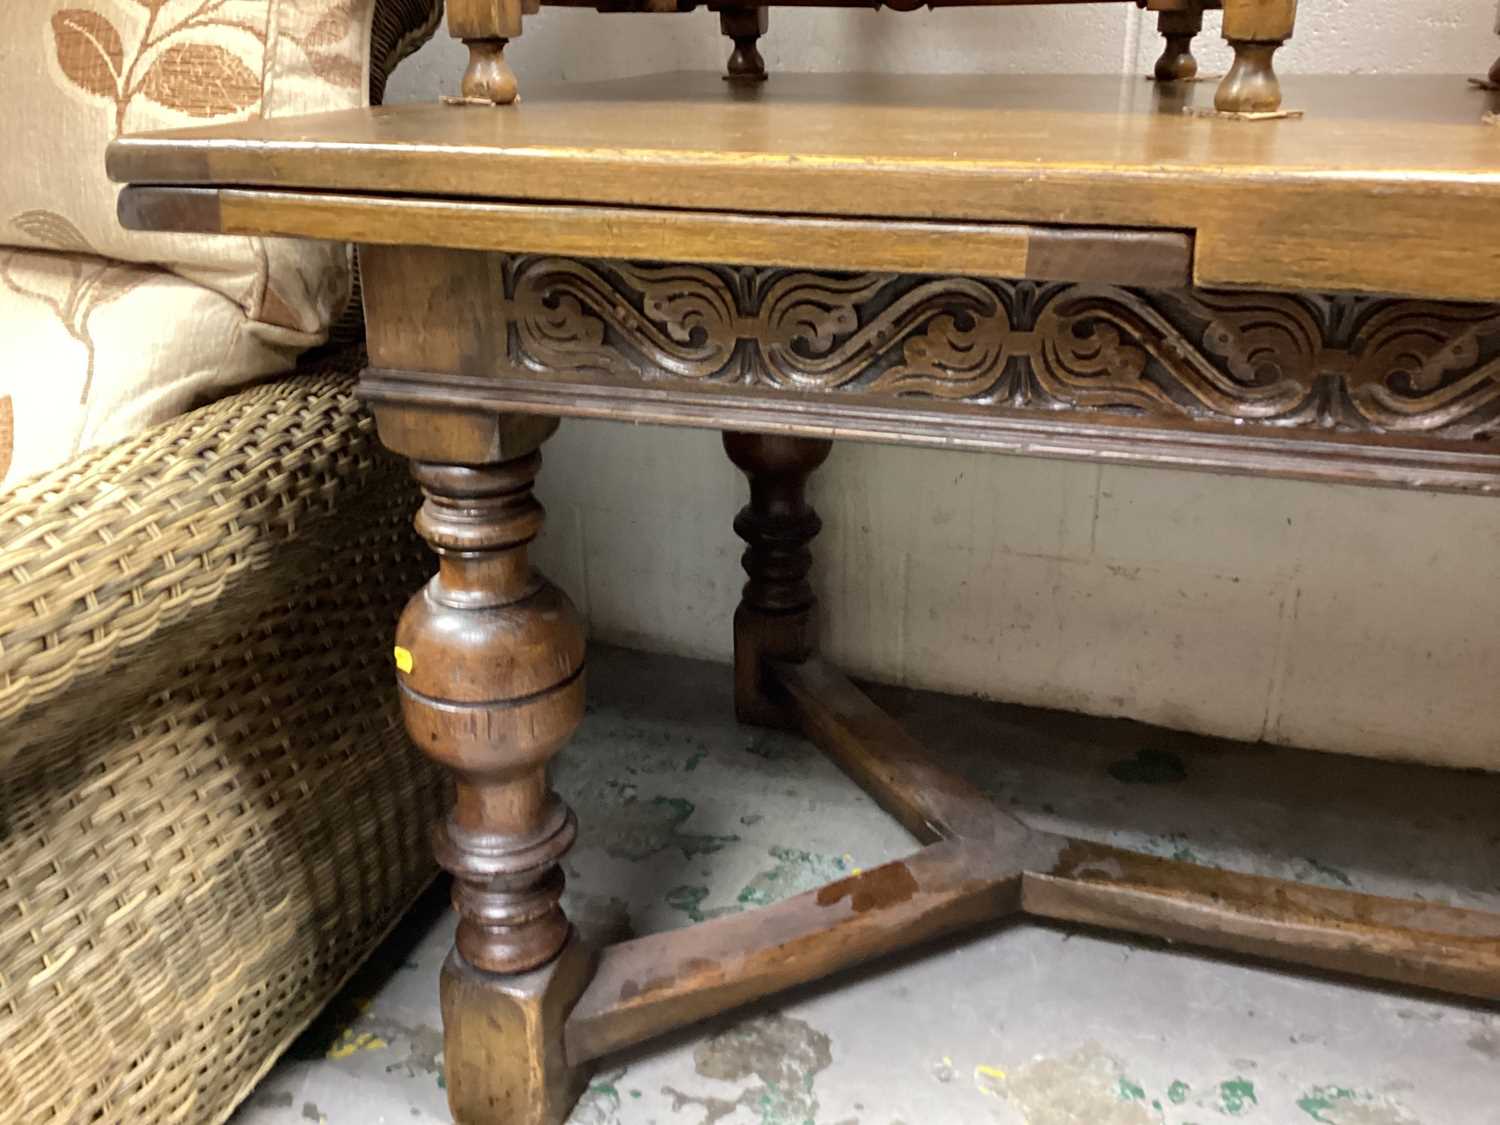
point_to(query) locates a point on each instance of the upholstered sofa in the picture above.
(209, 814)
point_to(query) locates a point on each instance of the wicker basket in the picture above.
(210, 811)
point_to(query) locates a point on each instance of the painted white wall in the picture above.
(1324, 616)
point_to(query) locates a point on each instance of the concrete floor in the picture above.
(686, 816)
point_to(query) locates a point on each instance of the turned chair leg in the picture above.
(489, 658)
(776, 618)
(489, 77)
(745, 26)
(1178, 28)
(486, 26)
(1255, 29)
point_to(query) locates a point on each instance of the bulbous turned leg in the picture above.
(489, 77)
(1255, 29)
(1177, 63)
(776, 615)
(745, 26)
(490, 671)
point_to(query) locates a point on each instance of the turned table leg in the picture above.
(490, 671)
(745, 26)
(776, 615)
(1255, 29)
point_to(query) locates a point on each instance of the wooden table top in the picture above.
(1388, 184)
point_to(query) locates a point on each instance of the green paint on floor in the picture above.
(1318, 1101)
(1340, 1105)
(689, 899)
(795, 871)
(600, 1104)
(645, 828)
(1237, 1097)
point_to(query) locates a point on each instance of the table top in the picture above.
(1387, 184)
(1000, 263)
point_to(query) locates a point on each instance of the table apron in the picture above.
(1356, 389)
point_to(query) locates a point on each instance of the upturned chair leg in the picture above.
(776, 618)
(486, 26)
(1178, 28)
(745, 26)
(489, 77)
(1255, 29)
(489, 658)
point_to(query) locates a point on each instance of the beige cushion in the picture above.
(74, 74)
(92, 351)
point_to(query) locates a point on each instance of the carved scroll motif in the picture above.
(1358, 364)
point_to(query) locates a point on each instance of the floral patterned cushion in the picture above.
(94, 351)
(103, 334)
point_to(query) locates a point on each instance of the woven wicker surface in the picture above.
(210, 813)
(110, 551)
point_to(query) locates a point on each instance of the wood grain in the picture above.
(646, 987)
(1380, 460)
(1259, 20)
(1125, 257)
(1408, 942)
(489, 669)
(928, 799)
(503, 1053)
(1421, 944)
(1389, 184)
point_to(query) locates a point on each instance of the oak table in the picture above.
(1060, 267)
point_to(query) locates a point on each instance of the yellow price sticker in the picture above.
(403, 659)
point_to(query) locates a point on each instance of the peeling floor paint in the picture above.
(795, 871)
(644, 827)
(1088, 1085)
(685, 817)
(782, 1057)
(1337, 1105)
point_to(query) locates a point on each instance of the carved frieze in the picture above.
(1344, 363)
